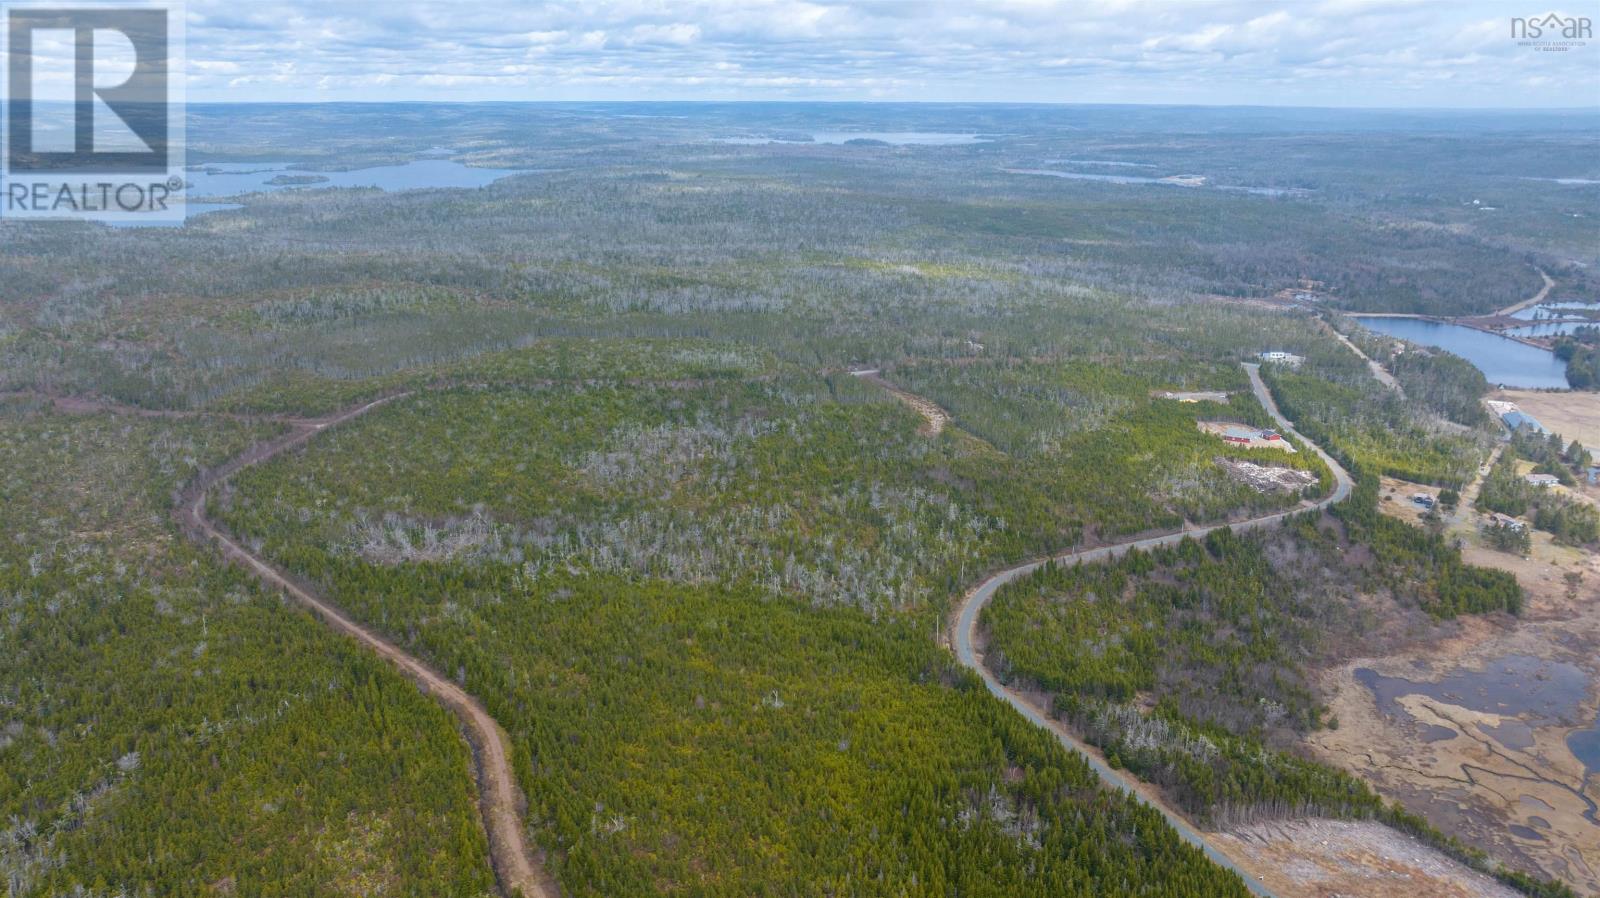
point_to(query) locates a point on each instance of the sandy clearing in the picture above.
(1355, 858)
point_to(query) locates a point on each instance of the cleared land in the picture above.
(1576, 416)
(1348, 857)
(1243, 435)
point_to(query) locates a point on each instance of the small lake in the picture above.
(1553, 309)
(1502, 361)
(1552, 318)
(1551, 328)
(233, 178)
(893, 138)
(1191, 181)
(212, 180)
(1516, 685)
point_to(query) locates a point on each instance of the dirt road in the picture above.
(516, 863)
(935, 417)
(1533, 300)
(1378, 371)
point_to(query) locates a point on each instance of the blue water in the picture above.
(211, 180)
(1551, 318)
(1516, 685)
(234, 178)
(1140, 179)
(1551, 328)
(1552, 309)
(1501, 360)
(893, 138)
(1585, 746)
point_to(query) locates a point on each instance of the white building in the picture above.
(1282, 358)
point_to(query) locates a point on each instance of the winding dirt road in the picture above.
(1379, 373)
(1533, 300)
(935, 418)
(516, 863)
(964, 638)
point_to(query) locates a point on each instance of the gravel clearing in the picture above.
(1355, 859)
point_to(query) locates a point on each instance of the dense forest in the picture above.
(158, 710)
(730, 571)
(631, 497)
(1581, 352)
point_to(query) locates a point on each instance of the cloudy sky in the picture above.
(1290, 52)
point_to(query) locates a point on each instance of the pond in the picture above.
(1514, 686)
(1585, 746)
(1502, 360)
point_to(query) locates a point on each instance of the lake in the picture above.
(233, 178)
(1551, 318)
(1192, 181)
(211, 180)
(893, 138)
(1502, 361)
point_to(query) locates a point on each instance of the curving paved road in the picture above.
(516, 863)
(964, 624)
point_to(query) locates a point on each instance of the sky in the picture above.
(1364, 53)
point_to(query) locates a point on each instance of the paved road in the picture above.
(965, 623)
(516, 863)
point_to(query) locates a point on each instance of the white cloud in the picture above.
(1345, 52)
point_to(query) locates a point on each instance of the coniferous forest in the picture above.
(688, 451)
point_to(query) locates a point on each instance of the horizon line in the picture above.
(1594, 109)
